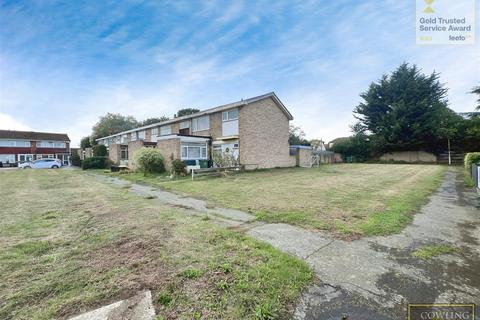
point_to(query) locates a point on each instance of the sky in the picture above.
(63, 64)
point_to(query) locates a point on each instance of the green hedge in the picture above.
(96, 163)
(149, 160)
(471, 158)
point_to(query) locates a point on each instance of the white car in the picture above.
(41, 164)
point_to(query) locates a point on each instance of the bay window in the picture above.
(194, 151)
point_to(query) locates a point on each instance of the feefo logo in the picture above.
(441, 312)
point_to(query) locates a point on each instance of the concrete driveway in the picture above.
(371, 278)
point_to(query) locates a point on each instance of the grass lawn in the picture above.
(70, 243)
(348, 199)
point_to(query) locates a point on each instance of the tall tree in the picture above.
(113, 123)
(405, 109)
(153, 120)
(85, 142)
(297, 136)
(186, 111)
(476, 90)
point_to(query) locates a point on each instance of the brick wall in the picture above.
(263, 136)
(170, 148)
(114, 153)
(133, 147)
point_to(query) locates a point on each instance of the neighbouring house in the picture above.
(254, 131)
(21, 146)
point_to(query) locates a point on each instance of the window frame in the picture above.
(202, 152)
(168, 132)
(226, 115)
(195, 122)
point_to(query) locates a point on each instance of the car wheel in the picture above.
(54, 167)
(27, 167)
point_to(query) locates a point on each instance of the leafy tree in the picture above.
(405, 110)
(297, 136)
(113, 123)
(317, 144)
(358, 146)
(75, 159)
(476, 90)
(85, 143)
(99, 150)
(186, 111)
(153, 120)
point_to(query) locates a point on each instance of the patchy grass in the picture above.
(428, 252)
(347, 199)
(70, 244)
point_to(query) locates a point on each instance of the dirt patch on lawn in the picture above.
(141, 257)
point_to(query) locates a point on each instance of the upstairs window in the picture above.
(184, 124)
(141, 134)
(165, 130)
(14, 143)
(45, 144)
(201, 123)
(230, 115)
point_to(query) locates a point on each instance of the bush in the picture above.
(99, 150)
(75, 159)
(149, 160)
(96, 163)
(471, 158)
(179, 168)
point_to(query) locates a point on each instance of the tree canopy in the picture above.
(406, 109)
(297, 136)
(153, 120)
(113, 123)
(85, 142)
(476, 90)
(186, 111)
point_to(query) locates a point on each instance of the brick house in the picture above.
(21, 146)
(255, 131)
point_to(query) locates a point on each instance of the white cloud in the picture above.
(7, 122)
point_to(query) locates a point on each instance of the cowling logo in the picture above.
(441, 312)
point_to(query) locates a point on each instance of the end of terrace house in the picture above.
(254, 131)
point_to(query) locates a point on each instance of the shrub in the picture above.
(96, 163)
(149, 160)
(472, 158)
(75, 159)
(179, 168)
(99, 150)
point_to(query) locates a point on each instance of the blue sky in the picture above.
(65, 63)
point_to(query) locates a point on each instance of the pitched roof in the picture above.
(240, 103)
(34, 136)
(337, 140)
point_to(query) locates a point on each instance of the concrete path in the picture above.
(371, 278)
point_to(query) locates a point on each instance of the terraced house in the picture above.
(254, 131)
(22, 146)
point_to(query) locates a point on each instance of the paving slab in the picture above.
(138, 307)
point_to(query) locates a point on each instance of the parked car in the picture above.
(41, 164)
